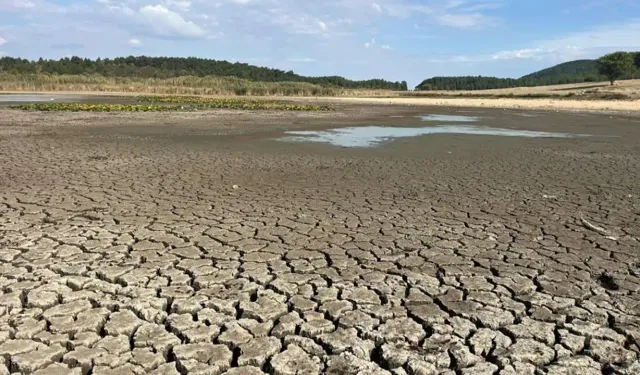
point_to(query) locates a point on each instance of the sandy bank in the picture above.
(548, 104)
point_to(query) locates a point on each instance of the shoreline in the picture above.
(600, 106)
(584, 105)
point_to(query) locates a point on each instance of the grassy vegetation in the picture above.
(185, 104)
(586, 95)
(90, 107)
(164, 86)
(232, 103)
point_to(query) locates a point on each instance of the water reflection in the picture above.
(371, 136)
(449, 118)
(22, 98)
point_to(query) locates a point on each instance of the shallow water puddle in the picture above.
(25, 98)
(371, 136)
(449, 118)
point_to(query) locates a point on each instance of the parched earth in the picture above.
(195, 243)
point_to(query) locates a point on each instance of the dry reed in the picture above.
(211, 85)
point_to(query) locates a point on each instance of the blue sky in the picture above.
(392, 39)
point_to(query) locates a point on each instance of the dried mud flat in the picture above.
(195, 243)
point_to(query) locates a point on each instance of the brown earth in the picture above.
(456, 99)
(196, 243)
(490, 101)
(630, 88)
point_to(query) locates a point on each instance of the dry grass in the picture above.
(622, 90)
(211, 86)
(608, 97)
(591, 105)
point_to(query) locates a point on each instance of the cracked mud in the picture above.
(174, 244)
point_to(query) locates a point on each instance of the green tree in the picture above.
(616, 65)
(636, 60)
(165, 67)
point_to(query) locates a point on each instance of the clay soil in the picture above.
(197, 243)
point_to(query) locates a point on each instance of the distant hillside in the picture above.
(569, 72)
(572, 69)
(170, 67)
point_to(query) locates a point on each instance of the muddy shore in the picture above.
(628, 107)
(175, 243)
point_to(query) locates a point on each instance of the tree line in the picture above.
(612, 67)
(170, 67)
(618, 65)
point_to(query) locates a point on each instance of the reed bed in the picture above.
(211, 85)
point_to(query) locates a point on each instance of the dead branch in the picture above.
(597, 229)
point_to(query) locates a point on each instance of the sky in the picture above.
(360, 39)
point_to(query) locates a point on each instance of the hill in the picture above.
(570, 72)
(578, 69)
(172, 67)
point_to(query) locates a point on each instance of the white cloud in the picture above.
(135, 42)
(374, 42)
(182, 5)
(299, 24)
(301, 60)
(608, 36)
(402, 10)
(121, 9)
(2, 41)
(521, 54)
(584, 44)
(450, 13)
(579, 45)
(465, 20)
(527, 53)
(169, 23)
(454, 3)
(16, 4)
(370, 43)
(484, 6)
